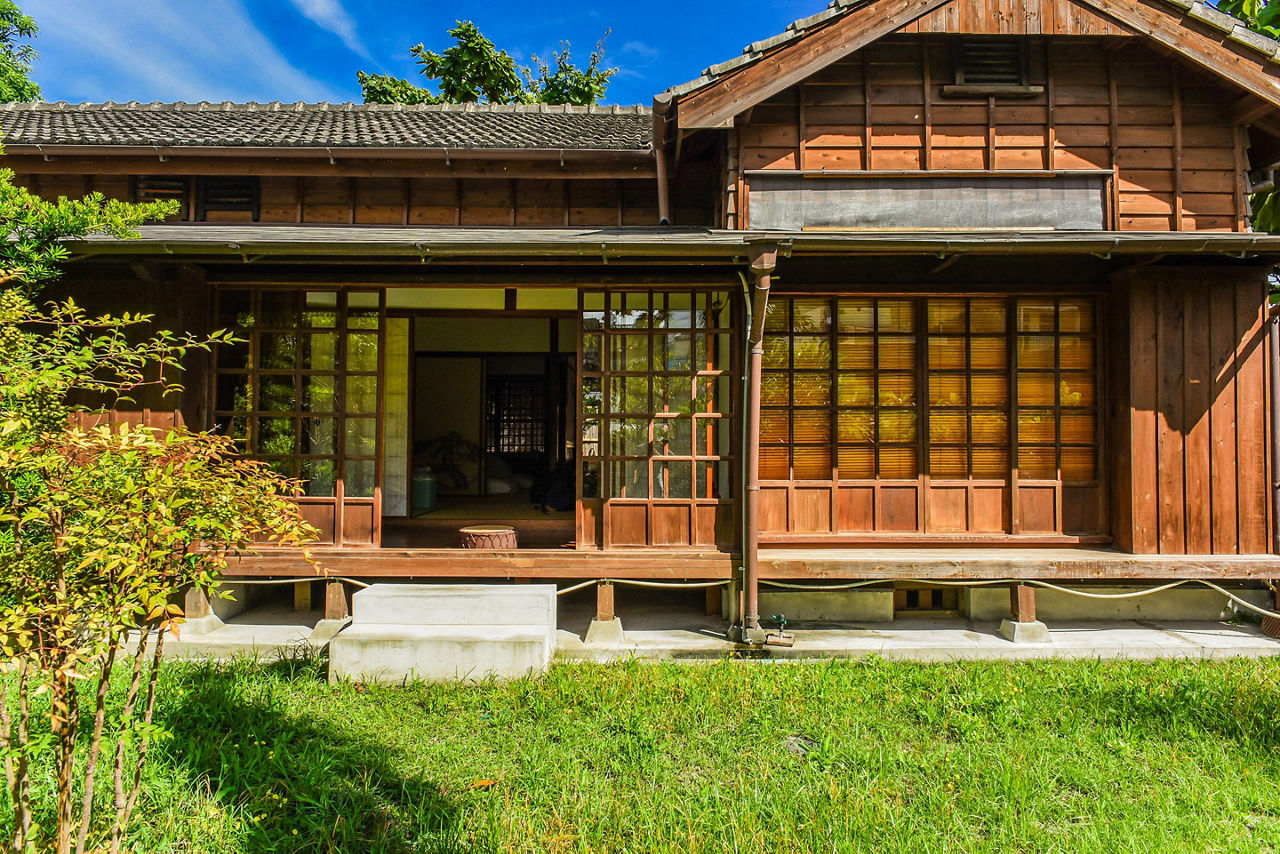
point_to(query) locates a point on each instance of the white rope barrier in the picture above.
(291, 580)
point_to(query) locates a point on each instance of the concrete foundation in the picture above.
(829, 606)
(1181, 603)
(1029, 632)
(446, 632)
(606, 633)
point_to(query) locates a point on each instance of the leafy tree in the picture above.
(15, 58)
(100, 527)
(473, 70)
(1263, 17)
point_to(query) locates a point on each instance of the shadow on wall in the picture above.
(345, 790)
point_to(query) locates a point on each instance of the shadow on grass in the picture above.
(296, 781)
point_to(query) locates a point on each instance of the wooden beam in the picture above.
(1022, 603)
(335, 601)
(715, 105)
(1212, 53)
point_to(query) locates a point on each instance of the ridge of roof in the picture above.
(324, 106)
(1235, 30)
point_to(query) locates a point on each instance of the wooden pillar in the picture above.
(712, 604)
(196, 604)
(1022, 603)
(302, 596)
(335, 601)
(604, 602)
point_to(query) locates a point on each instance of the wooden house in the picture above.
(916, 289)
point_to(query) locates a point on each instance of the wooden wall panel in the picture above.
(381, 201)
(1163, 128)
(1021, 17)
(1196, 427)
(328, 200)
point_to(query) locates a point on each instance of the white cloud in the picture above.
(640, 49)
(330, 15)
(167, 50)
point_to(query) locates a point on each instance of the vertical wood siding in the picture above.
(1163, 129)
(1191, 415)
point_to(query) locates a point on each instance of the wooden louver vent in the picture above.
(984, 62)
(230, 197)
(157, 188)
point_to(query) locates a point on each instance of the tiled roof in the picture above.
(1233, 28)
(453, 126)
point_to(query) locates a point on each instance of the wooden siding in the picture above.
(1188, 412)
(520, 202)
(1020, 17)
(1163, 129)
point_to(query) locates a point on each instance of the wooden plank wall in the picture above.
(1164, 129)
(1015, 17)
(1189, 421)
(519, 202)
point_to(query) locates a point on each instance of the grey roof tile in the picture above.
(456, 126)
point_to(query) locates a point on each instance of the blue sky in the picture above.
(290, 50)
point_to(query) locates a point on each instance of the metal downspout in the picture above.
(661, 107)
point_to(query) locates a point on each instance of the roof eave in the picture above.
(326, 152)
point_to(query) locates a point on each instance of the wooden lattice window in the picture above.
(656, 395)
(516, 410)
(893, 388)
(301, 391)
(227, 198)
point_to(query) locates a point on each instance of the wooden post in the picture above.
(335, 601)
(1271, 625)
(604, 602)
(1022, 603)
(302, 595)
(713, 601)
(196, 604)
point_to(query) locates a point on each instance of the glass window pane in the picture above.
(673, 436)
(987, 315)
(811, 352)
(948, 389)
(233, 356)
(775, 427)
(987, 353)
(362, 352)
(774, 464)
(948, 427)
(777, 316)
(358, 479)
(812, 463)
(1035, 351)
(811, 315)
(235, 309)
(361, 436)
(1037, 463)
(362, 319)
(856, 353)
(708, 477)
(947, 462)
(629, 478)
(234, 393)
(856, 462)
(989, 391)
(898, 463)
(672, 394)
(1077, 353)
(812, 426)
(777, 351)
(897, 425)
(897, 389)
(856, 315)
(856, 426)
(1079, 464)
(629, 353)
(989, 427)
(1077, 389)
(1036, 425)
(629, 437)
(591, 480)
(591, 437)
(946, 315)
(362, 395)
(673, 480)
(674, 352)
(673, 310)
(1035, 315)
(991, 463)
(278, 351)
(1078, 429)
(320, 351)
(279, 308)
(319, 436)
(629, 394)
(897, 353)
(318, 394)
(775, 388)
(320, 477)
(896, 315)
(812, 389)
(592, 396)
(591, 352)
(629, 311)
(1036, 389)
(287, 466)
(278, 394)
(855, 389)
(275, 436)
(1075, 315)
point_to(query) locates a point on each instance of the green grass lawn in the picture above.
(734, 756)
